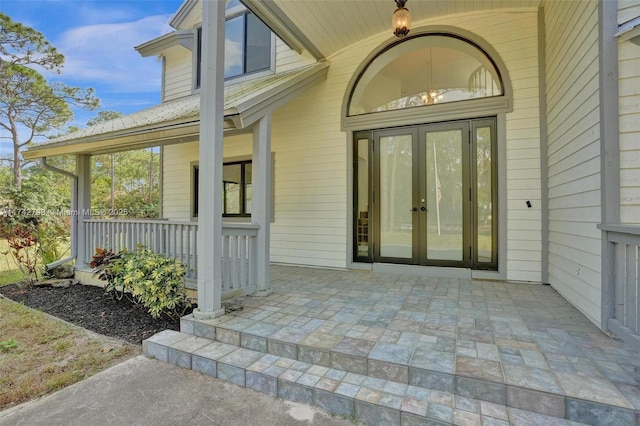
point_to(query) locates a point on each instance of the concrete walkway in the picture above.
(143, 391)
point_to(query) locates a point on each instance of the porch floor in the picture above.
(516, 344)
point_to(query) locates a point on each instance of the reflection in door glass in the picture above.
(363, 198)
(396, 221)
(444, 195)
(484, 192)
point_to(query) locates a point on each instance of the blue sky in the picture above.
(97, 39)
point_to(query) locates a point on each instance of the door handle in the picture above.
(415, 209)
(423, 208)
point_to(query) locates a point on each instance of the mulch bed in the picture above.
(90, 308)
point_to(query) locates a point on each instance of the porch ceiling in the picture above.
(324, 27)
(178, 121)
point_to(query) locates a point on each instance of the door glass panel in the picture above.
(362, 197)
(484, 193)
(396, 218)
(444, 195)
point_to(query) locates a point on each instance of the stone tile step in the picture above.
(372, 400)
(474, 378)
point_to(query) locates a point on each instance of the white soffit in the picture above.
(330, 26)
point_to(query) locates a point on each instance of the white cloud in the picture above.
(103, 55)
(232, 54)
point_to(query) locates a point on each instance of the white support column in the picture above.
(261, 202)
(82, 203)
(210, 174)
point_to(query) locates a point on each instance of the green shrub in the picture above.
(155, 281)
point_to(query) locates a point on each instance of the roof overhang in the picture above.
(179, 121)
(630, 31)
(184, 38)
(282, 26)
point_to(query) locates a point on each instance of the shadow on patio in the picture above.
(408, 347)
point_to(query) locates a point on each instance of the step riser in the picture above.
(346, 406)
(558, 406)
(354, 364)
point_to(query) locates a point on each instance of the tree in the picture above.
(27, 99)
(125, 180)
(102, 117)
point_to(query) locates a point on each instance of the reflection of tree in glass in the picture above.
(447, 157)
(395, 181)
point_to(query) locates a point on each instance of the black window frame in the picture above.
(195, 173)
(245, 14)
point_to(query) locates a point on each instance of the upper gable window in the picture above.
(425, 70)
(247, 44)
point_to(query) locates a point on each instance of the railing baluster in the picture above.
(235, 258)
(630, 284)
(620, 282)
(195, 251)
(179, 240)
(637, 284)
(226, 282)
(242, 261)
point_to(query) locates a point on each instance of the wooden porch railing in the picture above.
(621, 282)
(179, 240)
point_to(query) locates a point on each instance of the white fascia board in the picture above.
(630, 30)
(282, 26)
(127, 140)
(181, 14)
(184, 38)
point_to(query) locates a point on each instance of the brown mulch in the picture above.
(89, 307)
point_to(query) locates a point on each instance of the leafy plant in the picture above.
(7, 345)
(102, 262)
(155, 281)
(22, 243)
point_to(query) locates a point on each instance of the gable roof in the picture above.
(178, 121)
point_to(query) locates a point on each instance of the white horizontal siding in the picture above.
(627, 10)
(288, 59)
(516, 40)
(176, 180)
(178, 80)
(310, 181)
(177, 192)
(573, 152)
(629, 109)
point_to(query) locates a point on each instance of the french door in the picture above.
(426, 195)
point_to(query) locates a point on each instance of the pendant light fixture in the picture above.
(401, 21)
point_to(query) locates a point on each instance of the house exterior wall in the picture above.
(573, 151)
(177, 161)
(178, 78)
(629, 109)
(317, 170)
(311, 193)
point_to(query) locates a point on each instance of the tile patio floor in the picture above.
(383, 337)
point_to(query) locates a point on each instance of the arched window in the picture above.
(422, 71)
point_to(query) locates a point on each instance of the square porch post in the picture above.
(210, 152)
(261, 203)
(82, 203)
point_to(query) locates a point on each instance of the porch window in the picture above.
(424, 71)
(237, 189)
(247, 44)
